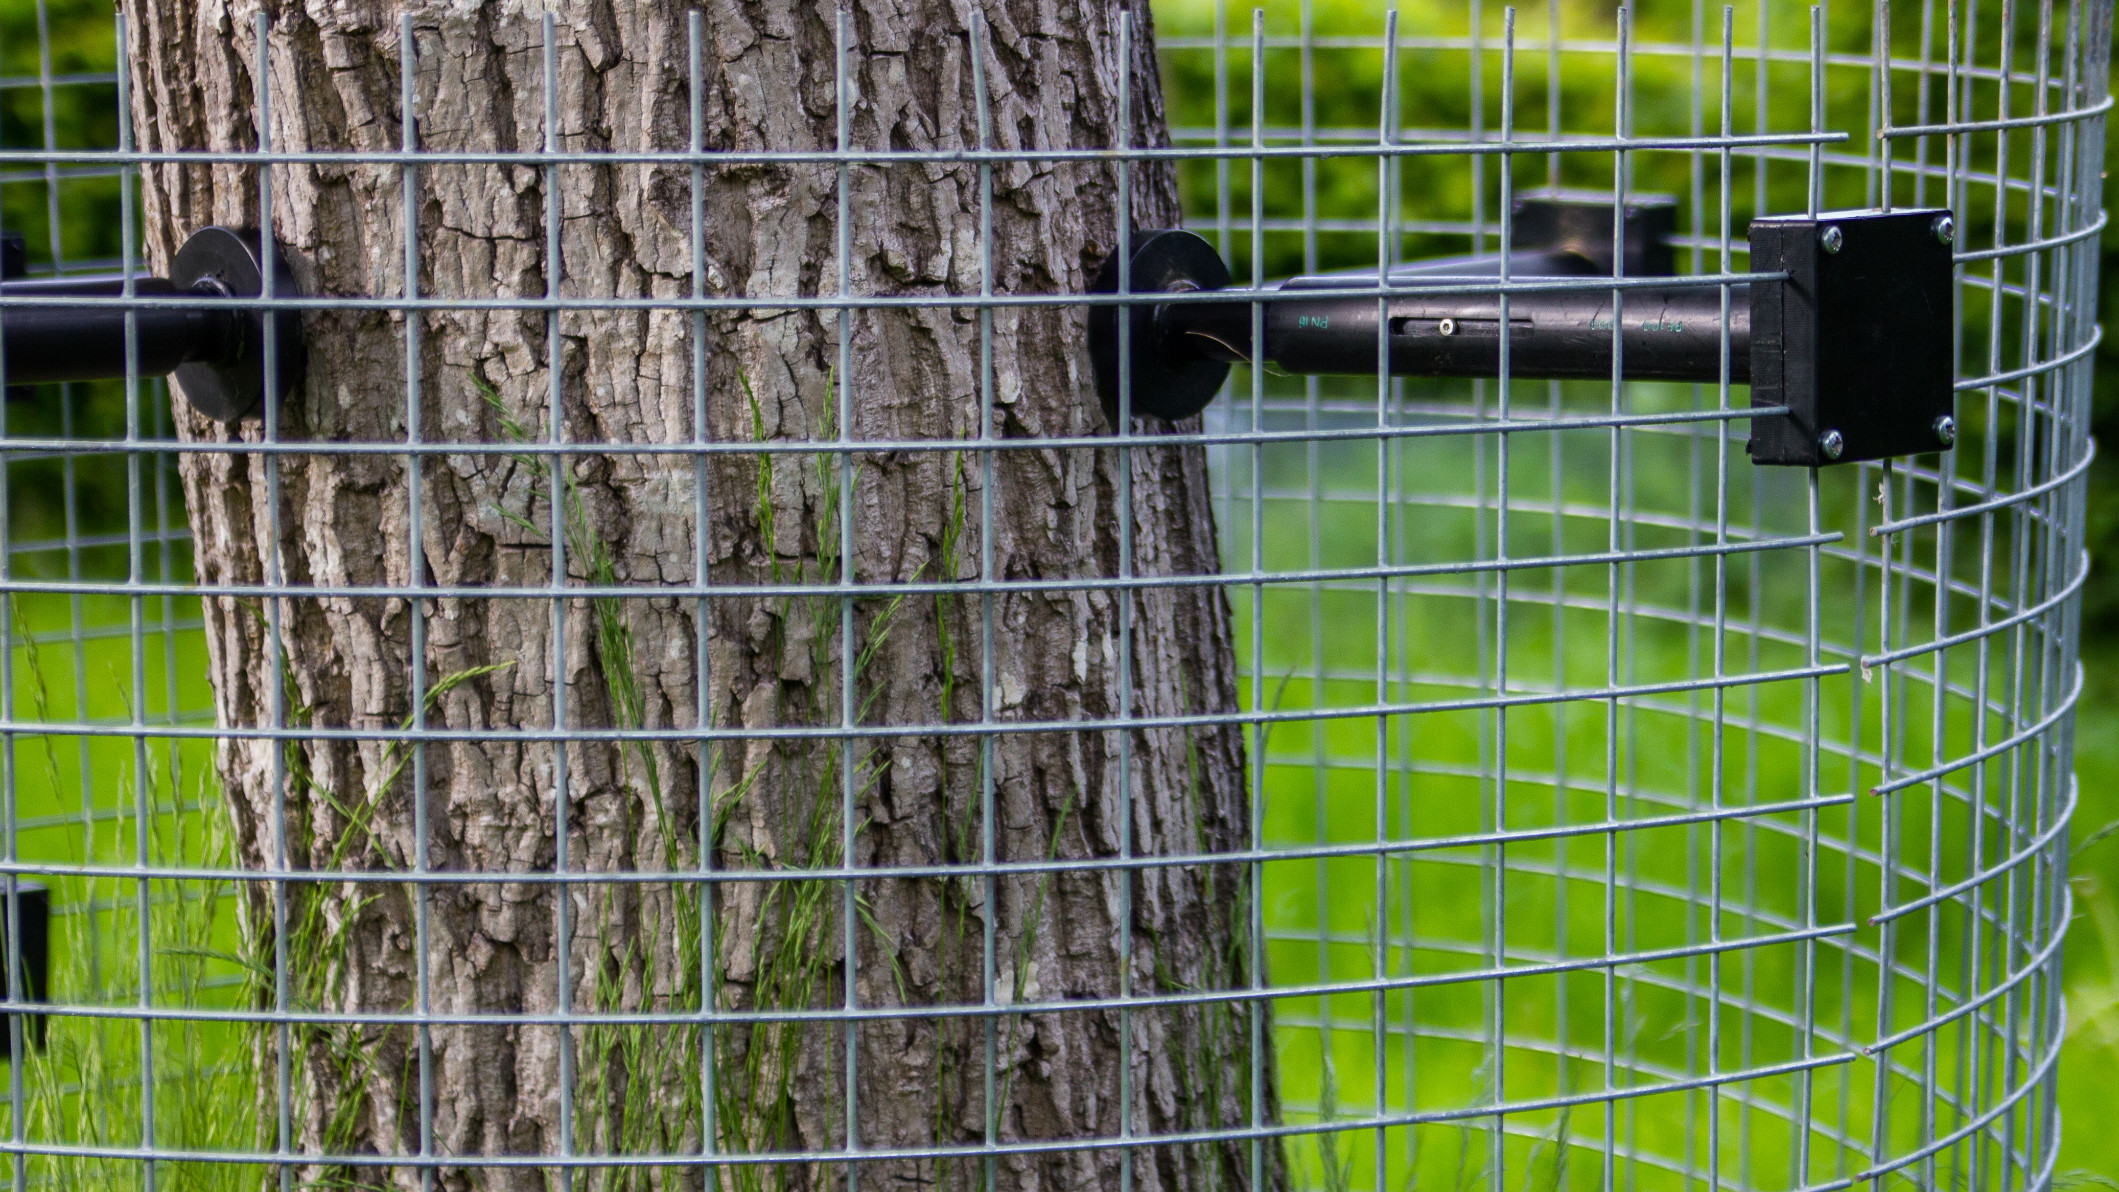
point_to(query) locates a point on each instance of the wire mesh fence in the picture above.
(793, 767)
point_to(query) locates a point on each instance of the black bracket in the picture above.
(1852, 351)
(1857, 343)
(217, 354)
(32, 911)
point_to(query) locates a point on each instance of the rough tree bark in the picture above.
(494, 947)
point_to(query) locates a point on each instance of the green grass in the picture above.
(213, 1086)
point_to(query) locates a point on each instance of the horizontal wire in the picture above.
(2006, 744)
(1595, 46)
(868, 732)
(1525, 424)
(1968, 512)
(1965, 126)
(904, 1012)
(881, 1154)
(889, 157)
(967, 869)
(2052, 602)
(2031, 370)
(2061, 823)
(892, 589)
(861, 302)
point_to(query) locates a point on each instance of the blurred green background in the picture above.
(1438, 87)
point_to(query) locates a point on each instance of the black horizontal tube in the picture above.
(1670, 334)
(40, 344)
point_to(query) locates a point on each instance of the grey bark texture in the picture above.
(498, 946)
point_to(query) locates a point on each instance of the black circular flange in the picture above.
(228, 383)
(1170, 380)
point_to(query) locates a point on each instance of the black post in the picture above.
(216, 352)
(1850, 343)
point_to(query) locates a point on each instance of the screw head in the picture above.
(1831, 238)
(1447, 327)
(1946, 430)
(1832, 443)
(1946, 229)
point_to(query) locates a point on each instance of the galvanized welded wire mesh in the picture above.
(1620, 813)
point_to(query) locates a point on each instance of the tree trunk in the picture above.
(495, 948)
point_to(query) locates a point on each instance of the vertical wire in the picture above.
(1223, 235)
(1696, 179)
(2031, 644)
(1878, 145)
(989, 844)
(703, 611)
(1969, 1044)
(1492, 908)
(1320, 775)
(1491, 636)
(849, 784)
(1882, 144)
(276, 642)
(1254, 920)
(2012, 944)
(2021, 534)
(10, 887)
(1754, 727)
(2011, 712)
(1125, 596)
(422, 935)
(555, 479)
(1557, 490)
(1403, 605)
(70, 491)
(1761, 114)
(1497, 1023)
(2075, 151)
(135, 570)
(1627, 527)
(1694, 519)
(1889, 715)
(1552, 96)
(1960, 37)
(1386, 124)
(2062, 533)
(1612, 985)
(1923, 100)
(1718, 648)
(1938, 682)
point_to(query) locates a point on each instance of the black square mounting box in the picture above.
(1857, 343)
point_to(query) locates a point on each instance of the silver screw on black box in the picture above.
(1946, 430)
(1831, 238)
(1946, 229)
(1832, 443)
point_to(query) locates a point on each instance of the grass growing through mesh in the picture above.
(90, 1086)
(105, 1078)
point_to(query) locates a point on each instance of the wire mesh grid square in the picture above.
(1432, 782)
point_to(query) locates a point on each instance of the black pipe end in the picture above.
(1580, 222)
(32, 911)
(1170, 380)
(229, 383)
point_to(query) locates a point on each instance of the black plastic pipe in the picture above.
(1671, 334)
(42, 344)
(1846, 343)
(216, 353)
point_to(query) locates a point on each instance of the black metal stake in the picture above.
(1851, 349)
(216, 353)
